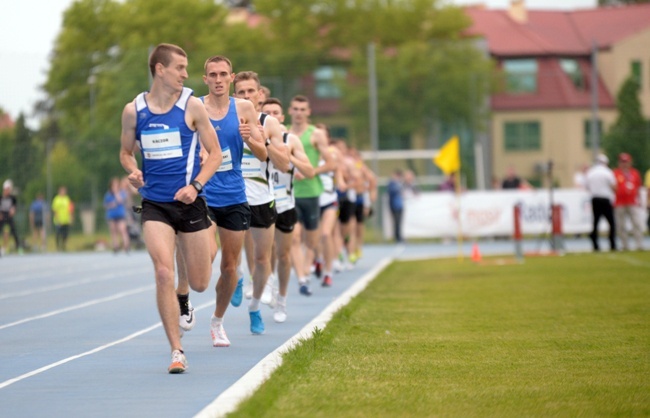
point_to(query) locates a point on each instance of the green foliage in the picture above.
(630, 133)
(99, 63)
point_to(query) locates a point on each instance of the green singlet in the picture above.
(309, 187)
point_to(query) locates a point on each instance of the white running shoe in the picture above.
(218, 333)
(280, 314)
(187, 320)
(337, 266)
(179, 362)
(267, 295)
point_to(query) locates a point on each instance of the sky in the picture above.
(28, 29)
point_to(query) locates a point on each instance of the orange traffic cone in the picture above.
(476, 253)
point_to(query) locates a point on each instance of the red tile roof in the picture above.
(557, 32)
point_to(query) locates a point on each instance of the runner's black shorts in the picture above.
(178, 215)
(308, 210)
(264, 215)
(233, 218)
(287, 221)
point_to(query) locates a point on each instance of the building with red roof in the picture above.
(544, 110)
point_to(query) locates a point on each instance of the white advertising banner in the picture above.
(491, 213)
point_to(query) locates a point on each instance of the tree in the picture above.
(630, 132)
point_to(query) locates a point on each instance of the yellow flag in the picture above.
(448, 158)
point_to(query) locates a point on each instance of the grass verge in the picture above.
(556, 336)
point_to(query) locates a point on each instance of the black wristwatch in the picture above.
(198, 186)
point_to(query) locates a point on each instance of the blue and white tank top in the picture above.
(226, 187)
(170, 149)
(283, 184)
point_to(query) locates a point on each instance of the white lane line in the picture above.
(228, 400)
(87, 353)
(69, 359)
(64, 285)
(79, 306)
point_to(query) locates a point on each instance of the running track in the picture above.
(80, 334)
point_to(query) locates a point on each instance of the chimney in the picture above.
(517, 11)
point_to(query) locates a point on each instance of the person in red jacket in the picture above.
(628, 202)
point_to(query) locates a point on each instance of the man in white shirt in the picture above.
(601, 184)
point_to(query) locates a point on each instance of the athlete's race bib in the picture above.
(226, 162)
(161, 144)
(251, 166)
(280, 194)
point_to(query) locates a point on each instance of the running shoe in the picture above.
(218, 333)
(337, 266)
(267, 295)
(304, 290)
(186, 320)
(179, 362)
(257, 325)
(239, 293)
(280, 314)
(318, 269)
(327, 281)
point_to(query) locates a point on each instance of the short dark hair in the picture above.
(163, 54)
(217, 58)
(247, 75)
(272, 100)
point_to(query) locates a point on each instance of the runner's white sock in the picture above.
(254, 305)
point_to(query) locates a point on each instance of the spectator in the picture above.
(647, 187)
(601, 184)
(396, 202)
(8, 204)
(115, 201)
(628, 202)
(512, 180)
(63, 212)
(410, 188)
(37, 222)
(449, 185)
(580, 177)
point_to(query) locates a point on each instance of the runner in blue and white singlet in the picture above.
(227, 186)
(169, 148)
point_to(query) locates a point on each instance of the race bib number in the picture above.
(226, 162)
(161, 144)
(280, 194)
(251, 166)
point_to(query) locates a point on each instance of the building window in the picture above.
(637, 72)
(521, 75)
(522, 136)
(587, 131)
(572, 70)
(327, 82)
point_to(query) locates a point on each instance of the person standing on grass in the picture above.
(628, 201)
(8, 204)
(169, 126)
(37, 220)
(396, 202)
(63, 216)
(601, 185)
(115, 206)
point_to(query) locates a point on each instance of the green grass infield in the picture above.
(552, 337)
